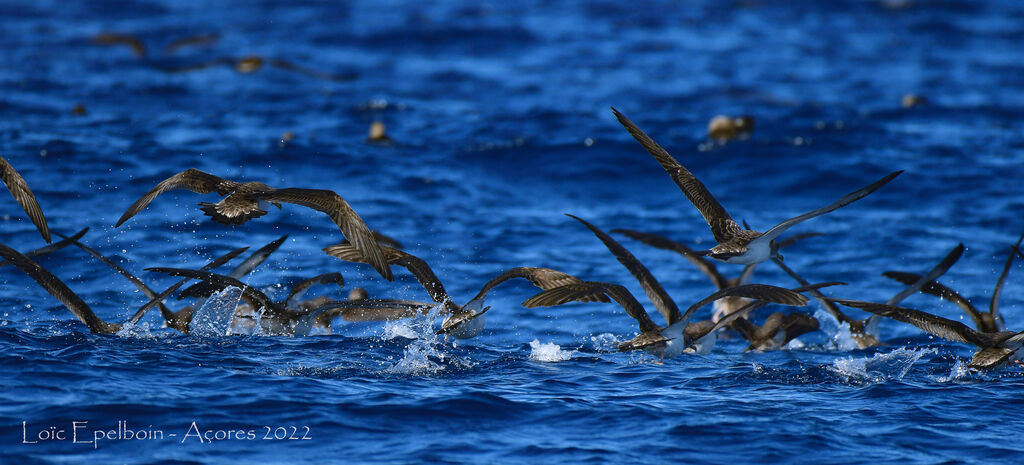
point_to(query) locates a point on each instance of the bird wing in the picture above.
(655, 292)
(191, 179)
(300, 289)
(163, 295)
(206, 289)
(938, 290)
(933, 274)
(141, 286)
(993, 307)
(351, 225)
(847, 199)
(664, 243)
(59, 290)
(573, 292)
(824, 301)
(223, 281)
(52, 247)
(419, 268)
(936, 325)
(544, 278)
(763, 292)
(722, 225)
(23, 195)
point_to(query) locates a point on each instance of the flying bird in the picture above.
(735, 244)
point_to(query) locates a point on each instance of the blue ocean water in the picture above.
(500, 117)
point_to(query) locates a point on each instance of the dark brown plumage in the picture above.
(23, 195)
(242, 203)
(735, 244)
(994, 349)
(59, 290)
(986, 322)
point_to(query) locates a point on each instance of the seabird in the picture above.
(201, 40)
(19, 189)
(735, 244)
(111, 38)
(725, 305)
(358, 307)
(275, 317)
(242, 201)
(462, 322)
(986, 322)
(994, 349)
(59, 290)
(664, 341)
(181, 319)
(778, 329)
(865, 332)
(252, 63)
(668, 340)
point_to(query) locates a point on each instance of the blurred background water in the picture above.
(499, 114)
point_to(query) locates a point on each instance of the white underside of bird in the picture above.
(468, 329)
(674, 346)
(758, 250)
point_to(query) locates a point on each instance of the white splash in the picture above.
(425, 354)
(880, 367)
(136, 331)
(549, 352)
(959, 372)
(840, 337)
(605, 342)
(213, 319)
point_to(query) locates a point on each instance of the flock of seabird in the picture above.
(734, 300)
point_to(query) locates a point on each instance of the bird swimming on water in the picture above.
(735, 244)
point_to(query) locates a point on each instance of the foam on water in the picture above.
(549, 352)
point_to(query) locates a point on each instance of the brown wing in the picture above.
(53, 247)
(59, 290)
(722, 225)
(191, 179)
(544, 278)
(300, 289)
(141, 286)
(830, 307)
(762, 292)
(574, 292)
(204, 289)
(419, 268)
(938, 290)
(936, 325)
(255, 295)
(655, 292)
(355, 230)
(933, 274)
(847, 199)
(664, 243)
(993, 307)
(23, 195)
(163, 295)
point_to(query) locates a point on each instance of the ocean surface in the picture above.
(500, 120)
